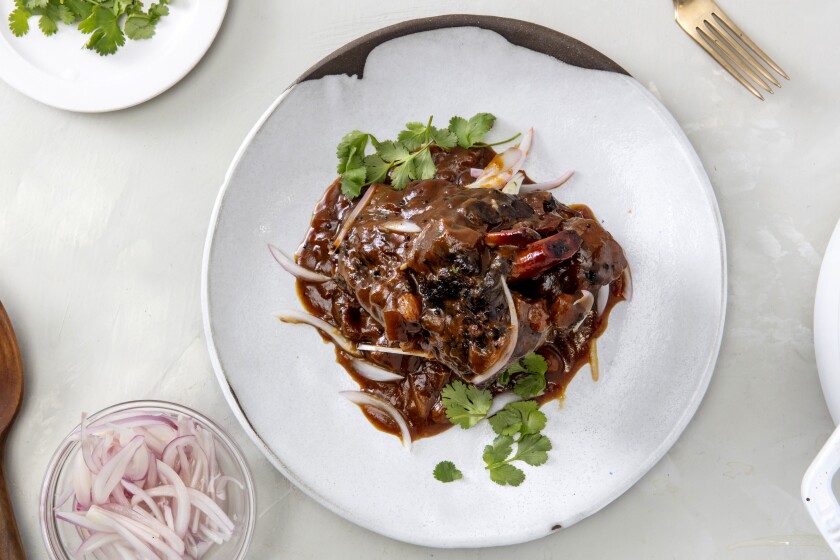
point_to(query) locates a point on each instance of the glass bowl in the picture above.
(63, 539)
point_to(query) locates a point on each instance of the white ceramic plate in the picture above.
(827, 325)
(635, 169)
(818, 495)
(57, 71)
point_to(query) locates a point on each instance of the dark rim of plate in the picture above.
(351, 58)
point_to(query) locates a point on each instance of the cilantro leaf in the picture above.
(444, 138)
(351, 165)
(415, 135)
(403, 174)
(47, 24)
(423, 164)
(139, 27)
(101, 19)
(469, 133)
(530, 386)
(498, 452)
(446, 471)
(519, 417)
(19, 21)
(533, 449)
(392, 151)
(352, 180)
(534, 383)
(506, 474)
(105, 33)
(377, 169)
(81, 8)
(352, 143)
(157, 11)
(465, 404)
(458, 126)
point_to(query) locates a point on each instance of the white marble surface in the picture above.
(103, 218)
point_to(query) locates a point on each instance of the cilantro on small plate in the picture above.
(108, 22)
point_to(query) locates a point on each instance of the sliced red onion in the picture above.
(113, 471)
(182, 500)
(366, 399)
(223, 481)
(627, 278)
(82, 482)
(583, 305)
(593, 360)
(128, 521)
(133, 421)
(301, 317)
(171, 450)
(513, 337)
(603, 299)
(156, 527)
(515, 183)
(497, 172)
(146, 534)
(475, 172)
(548, 185)
(197, 499)
(95, 541)
(401, 226)
(100, 516)
(524, 147)
(502, 400)
(140, 495)
(527, 140)
(87, 445)
(294, 268)
(348, 223)
(82, 521)
(375, 373)
(393, 350)
(138, 466)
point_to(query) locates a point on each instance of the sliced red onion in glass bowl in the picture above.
(147, 479)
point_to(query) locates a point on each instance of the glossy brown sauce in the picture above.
(367, 281)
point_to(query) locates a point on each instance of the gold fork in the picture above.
(725, 42)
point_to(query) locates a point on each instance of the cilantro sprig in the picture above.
(108, 22)
(465, 404)
(409, 157)
(517, 423)
(533, 382)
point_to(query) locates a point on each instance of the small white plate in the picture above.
(827, 325)
(634, 168)
(817, 489)
(58, 71)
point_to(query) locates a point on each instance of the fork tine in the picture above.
(724, 45)
(721, 15)
(707, 45)
(746, 56)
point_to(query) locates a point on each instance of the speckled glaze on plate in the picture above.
(635, 169)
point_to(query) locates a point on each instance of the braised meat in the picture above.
(463, 281)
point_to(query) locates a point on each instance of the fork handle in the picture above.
(10, 545)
